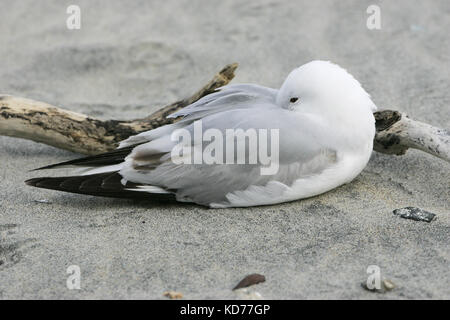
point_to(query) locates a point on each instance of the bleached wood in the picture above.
(42, 122)
(396, 132)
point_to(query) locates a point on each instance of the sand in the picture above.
(130, 58)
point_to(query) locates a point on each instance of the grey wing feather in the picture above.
(228, 97)
(236, 96)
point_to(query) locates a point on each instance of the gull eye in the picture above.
(293, 100)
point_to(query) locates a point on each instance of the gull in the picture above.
(325, 129)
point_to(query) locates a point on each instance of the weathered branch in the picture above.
(42, 122)
(396, 133)
(76, 132)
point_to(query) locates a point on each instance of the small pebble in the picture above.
(388, 284)
(43, 201)
(250, 280)
(173, 295)
(414, 214)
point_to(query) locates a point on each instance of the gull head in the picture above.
(324, 88)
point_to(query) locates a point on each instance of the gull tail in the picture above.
(108, 184)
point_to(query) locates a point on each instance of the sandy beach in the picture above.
(132, 57)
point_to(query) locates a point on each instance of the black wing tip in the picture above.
(46, 167)
(42, 182)
(102, 184)
(32, 182)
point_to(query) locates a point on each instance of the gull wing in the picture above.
(227, 98)
(302, 153)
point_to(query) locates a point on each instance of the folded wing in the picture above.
(142, 167)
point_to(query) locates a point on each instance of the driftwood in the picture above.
(396, 133)
(41, 122)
